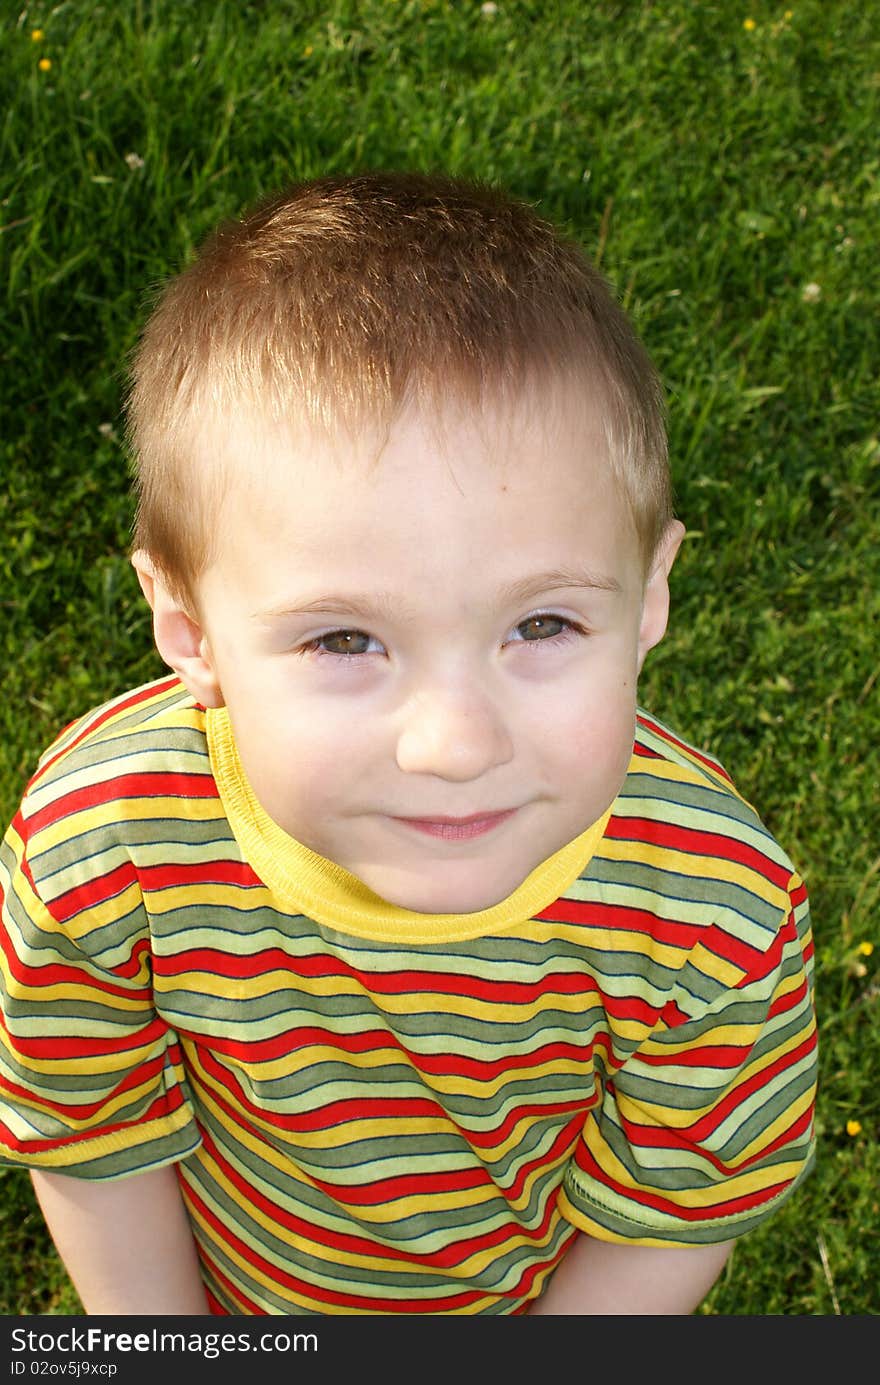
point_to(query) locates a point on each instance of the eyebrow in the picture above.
(386, 606)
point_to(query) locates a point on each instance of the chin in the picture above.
(442, 898)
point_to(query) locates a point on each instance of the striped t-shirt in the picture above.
(377, 1111)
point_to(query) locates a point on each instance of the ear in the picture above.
(179, 637)
(655, 602)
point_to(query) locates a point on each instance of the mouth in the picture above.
(458, 829)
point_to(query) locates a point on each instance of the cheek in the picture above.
(590, 736)
(302, 763)
(606, 738)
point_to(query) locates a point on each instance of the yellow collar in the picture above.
(309, 884)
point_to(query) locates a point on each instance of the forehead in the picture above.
(538, 426)
(430, 506)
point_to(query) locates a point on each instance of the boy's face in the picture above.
(430, 659)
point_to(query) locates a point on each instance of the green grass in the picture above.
(716, 172)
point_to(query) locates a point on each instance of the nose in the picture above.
(455, 733)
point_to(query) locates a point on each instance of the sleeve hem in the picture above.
(116, 1154)
(597, 1219)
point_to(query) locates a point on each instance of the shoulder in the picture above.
(161, 706)
(687, 861)
(143, 730)
(689, 803)
(112, 776)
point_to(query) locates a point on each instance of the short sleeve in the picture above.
(91, 1078)
(709, 1125)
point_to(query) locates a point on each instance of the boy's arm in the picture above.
(596, 1278)
(126, 1244)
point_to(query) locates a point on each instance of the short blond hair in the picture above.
(346, 298)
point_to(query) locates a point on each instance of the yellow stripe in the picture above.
(85, 993)
(712, 868)
(673, 773)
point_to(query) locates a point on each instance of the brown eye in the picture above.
(345, 642)
(541, 627)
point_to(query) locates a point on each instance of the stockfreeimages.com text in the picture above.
(209, 1344)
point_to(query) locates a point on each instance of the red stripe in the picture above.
(621, 918)
(653, 1137)
(145, 785)
(140, 957)
(771, 959)
(705, 1127)
(180, 875)
(92, 893)
(384, 1190)
(693, 841)
(247, 1307)
(45, 1048)
(620, 1009)
(672, 1015)
(427, 1185)
(708, 1056)
(795, 1132)
(754, 962)
(664, 1137)
(797, 891)
(322, 1117)
(791, 1000)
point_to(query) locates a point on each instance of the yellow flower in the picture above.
(44, 64)
(853, 1127)
(37, 35)
(748, 25)
(866, 949)
(789, 14)
(308, 51)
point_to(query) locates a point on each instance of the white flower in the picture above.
(811, 293)
(488, 8)
(134, 161)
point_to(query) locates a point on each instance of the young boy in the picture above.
(385, 959)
